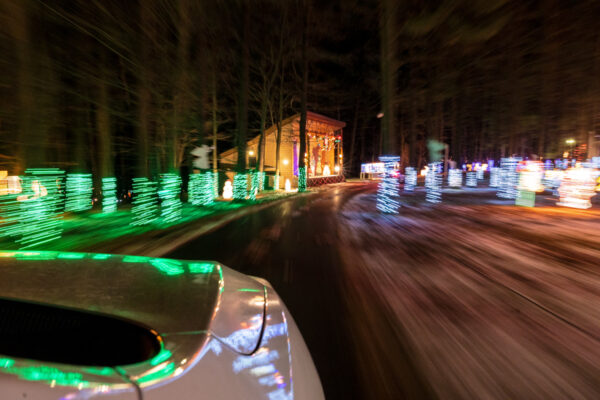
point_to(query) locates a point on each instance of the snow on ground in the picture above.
(492, 301)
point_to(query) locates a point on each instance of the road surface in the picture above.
(474, 298)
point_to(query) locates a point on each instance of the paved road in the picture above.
(472, 298)
(294, 246)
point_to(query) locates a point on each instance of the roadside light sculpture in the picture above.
(388, 188)
(326, 170)
(288, 185)
(509, 178)
(494, 177)
(577, 188)
(455, 178)
(410, 179)
(472, 179)
(228, 190)
(433, 183)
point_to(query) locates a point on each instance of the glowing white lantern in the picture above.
(227, 190)
(326, 170)
(288, 185)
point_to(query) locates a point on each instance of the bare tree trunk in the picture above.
(242, 122)
(388, 74)
(105, 168)
(214, 118)
(353, 135)
(303, 101)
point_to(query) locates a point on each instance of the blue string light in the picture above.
(388, 189)
(472, 179)
(433, 183)
(509, 178)
(410, 179)
(455, 178)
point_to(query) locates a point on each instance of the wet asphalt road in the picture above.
(470, 298)
(294, 246)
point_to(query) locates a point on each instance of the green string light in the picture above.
(11, 210)
(79, 192)
(109, 195)
(254, 184)
(240, 186)
(194, 189)
(302, 179)
(145, 206)
(40, 219)
(201, 188)
(170, 204)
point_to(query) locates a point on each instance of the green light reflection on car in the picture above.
(162, 356)
(6, 362)
(106, 371)
(71, 256)
(158, 374)
(44, 374)
(201, 268)
(169, 267)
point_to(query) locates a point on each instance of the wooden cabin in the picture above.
(324, 158)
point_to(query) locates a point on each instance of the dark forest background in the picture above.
(127, 88)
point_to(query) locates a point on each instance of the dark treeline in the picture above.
(127, 88)
(493, 78)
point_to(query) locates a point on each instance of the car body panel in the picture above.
(223, 334)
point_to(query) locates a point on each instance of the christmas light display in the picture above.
(530, 176)
(201, 188)
(194, 189)
(170, 203)
(301, 179)
(109, 195)
(455, 178)
(410, 179)
(39, 219)
(254, 185)
(472, 179)
(480, 171)
(240, 186)
(326, 171)
(262, 181)
(494, 177)
(227, 190)
(145, 202)
(288, 185)
(577, 188)
(79, 192)
(433, 183)
(509, 178)
(387, 191)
